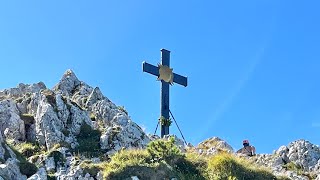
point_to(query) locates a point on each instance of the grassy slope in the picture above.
(150, 164)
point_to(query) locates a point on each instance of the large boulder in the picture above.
(11, 124)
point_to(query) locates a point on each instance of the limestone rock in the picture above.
(68, 83)
(305, 153)
(50, 164)
(10, 122)
(21, 90)
(94, 96)
(214, 145)
(40, 175)
(10, 170)
(123, 133)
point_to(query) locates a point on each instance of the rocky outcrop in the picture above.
(299, 156)
(40, 175)
(11, 124)
(54, 117)
(9, 167)
(68, 83)
(213, 145)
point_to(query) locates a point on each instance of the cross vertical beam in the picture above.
(164, 93)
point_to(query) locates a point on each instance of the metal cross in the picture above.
(164, 93)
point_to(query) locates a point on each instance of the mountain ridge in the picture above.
(74, 117)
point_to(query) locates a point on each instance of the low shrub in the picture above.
(28, 149)
(25, 166)
(164, 150)
(89, 141)
(91, 168)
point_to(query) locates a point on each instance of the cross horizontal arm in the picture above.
(154, 70)
(180, 79)
(149, 68)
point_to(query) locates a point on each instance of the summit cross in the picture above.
(167, 77)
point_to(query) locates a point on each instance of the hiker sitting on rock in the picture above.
(247, 149)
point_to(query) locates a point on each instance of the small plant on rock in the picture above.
(121, 108)
(164, 121)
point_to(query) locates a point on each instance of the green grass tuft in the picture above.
(228, 166)
(25, 166)
(28, 149)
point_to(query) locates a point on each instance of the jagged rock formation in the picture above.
(34, 113)
(301, 154)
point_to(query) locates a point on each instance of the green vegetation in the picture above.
(163, 160)
(293, 167)
(89, 141)
(25, 166)
(92, 117)
(89, 167)
(164, 121)
(57, 157)
(50, 97)
(28, 149)
(121, 108)
(161, 150)
(298, 169)
(51, 176)
(227, 166)
(27, 118)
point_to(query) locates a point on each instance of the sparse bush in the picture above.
(164, 150)
(92, 117)
(28, 148)
(89, 141)
(164, 121)
(27, 118)
(25, 166)
(51, 176)
(89, 167)
(122, 109)
(57, 157)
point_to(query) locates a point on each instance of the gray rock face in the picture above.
(54, 117)
(10, 170)
(123, 133)
(11, 124)
(301, 153)
(40, 175)
(21, 90)
(304, 153)
(68, 83)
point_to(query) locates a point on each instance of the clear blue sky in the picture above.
(253, 66)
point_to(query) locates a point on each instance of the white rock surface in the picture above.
(213, 145)
(11, 124)
(10, 170)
